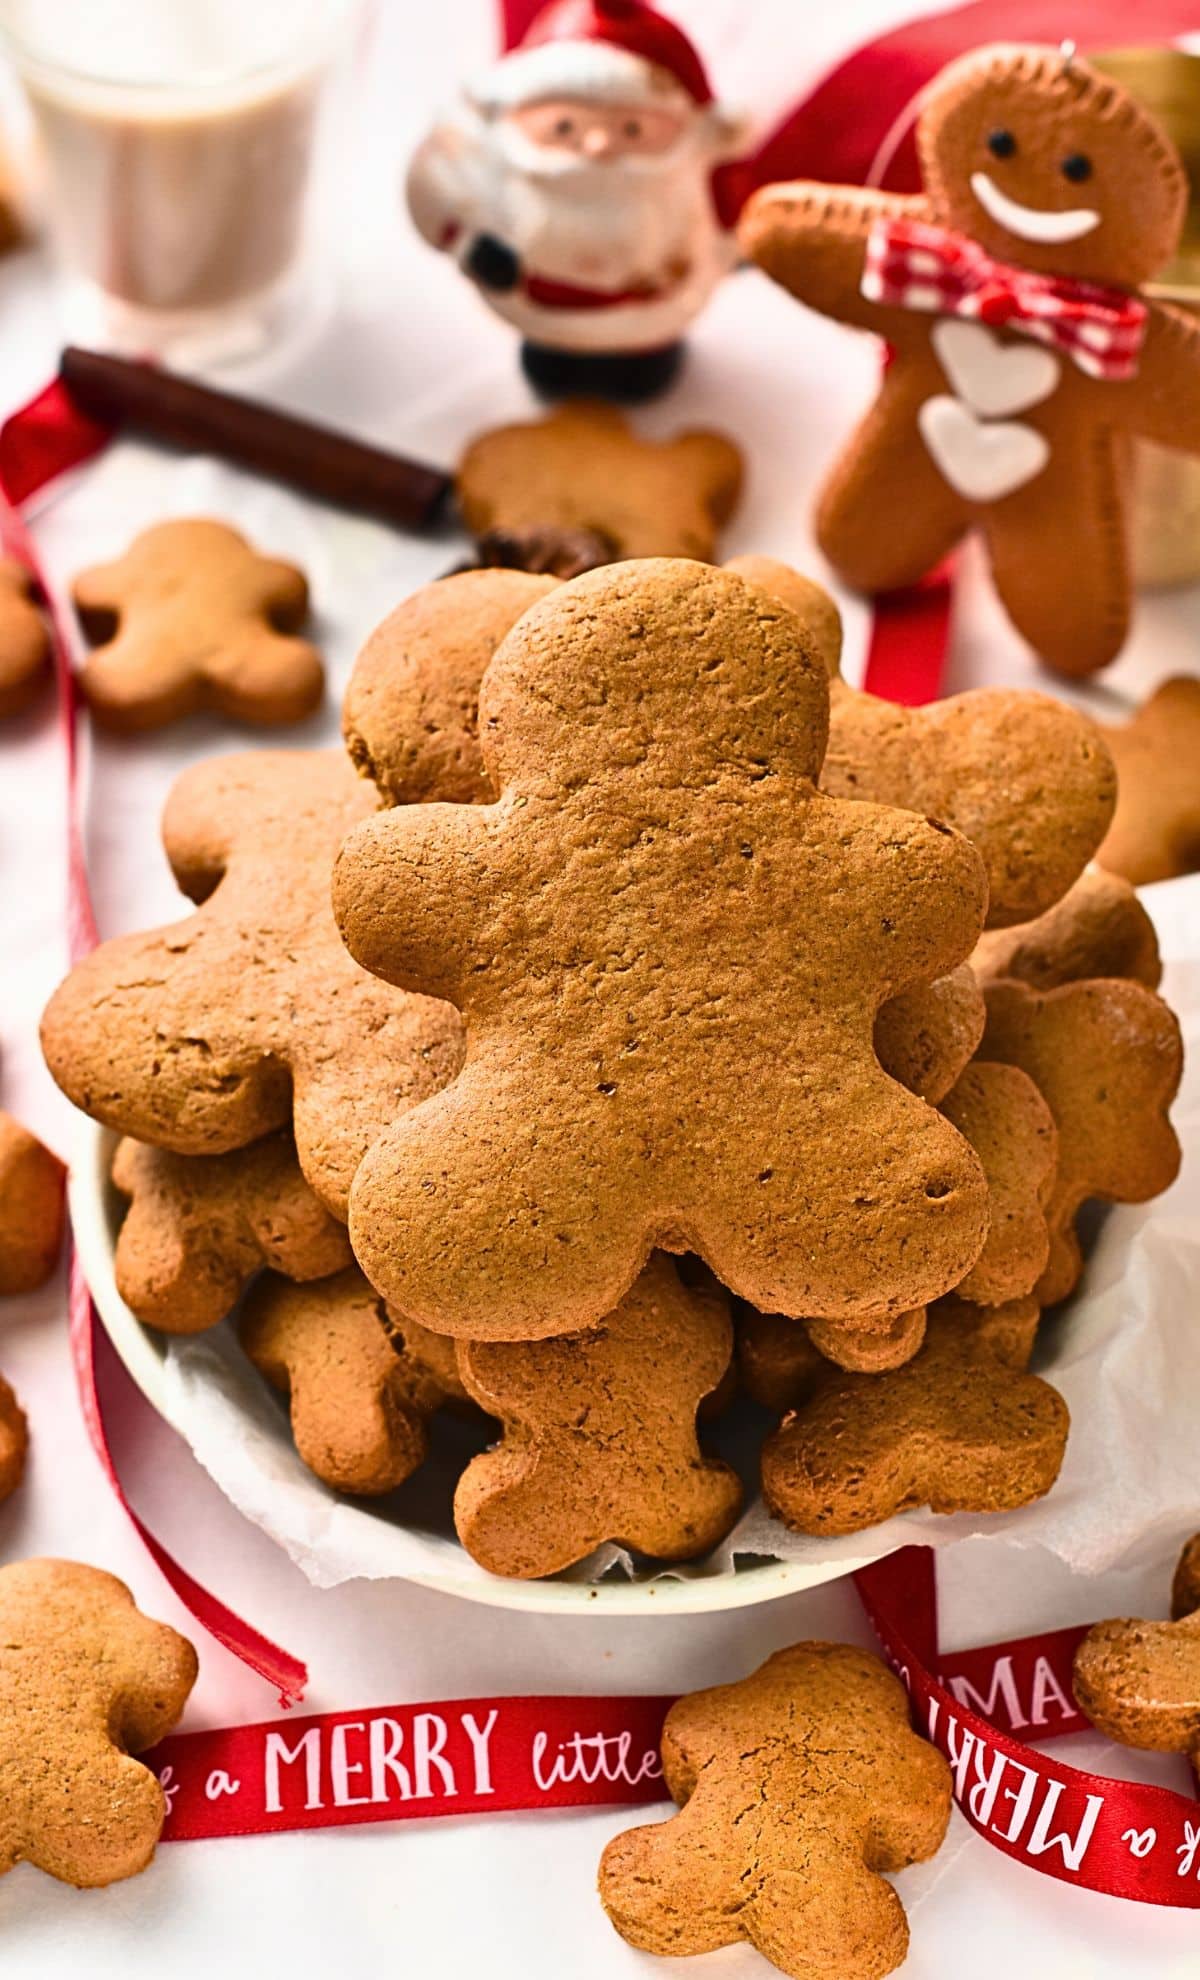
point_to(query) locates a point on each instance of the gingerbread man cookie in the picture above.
(86, 1680)
(956, 1429)
(1185, 1588)
(600, 1435)
(777, 1363)
(797, 1787)
(32, 1209)
(360, 1390)
(670, 951)
(1099, 928)
(979, 760)
(1156, 832)
(1006, 1334)
(1024, 352)
(198, 1227)
(1139, 1682)
(869, 1350)
(192, 618)
(206, 1034)
(410, 719)
(1106, 1057)
(24, 640)
(584, 467)
(1022, 776)
(926, 1036)
(1000, 1111)
(816, 610)
(411, 710)
(14, 1441)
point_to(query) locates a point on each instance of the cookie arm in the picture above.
(812, 240)
(1164, 399)
(408, 892)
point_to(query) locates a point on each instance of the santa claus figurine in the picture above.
(580, 185)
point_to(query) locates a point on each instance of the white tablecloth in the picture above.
(411, 358)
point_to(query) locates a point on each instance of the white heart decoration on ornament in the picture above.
(993, 378)
(982, 461)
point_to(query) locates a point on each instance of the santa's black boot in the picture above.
(626, 376)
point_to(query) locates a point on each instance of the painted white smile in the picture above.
(1032, 223)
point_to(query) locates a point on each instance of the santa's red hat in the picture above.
(605, 51)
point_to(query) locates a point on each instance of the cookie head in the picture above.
(1050, 165)
(602, 669)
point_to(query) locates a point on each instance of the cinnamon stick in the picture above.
(315, 459)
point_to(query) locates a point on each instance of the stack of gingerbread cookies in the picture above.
(637, 1013)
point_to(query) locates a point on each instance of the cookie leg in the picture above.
(105, 1828)
(523, 1518)
(1059, 555)
(666, 1896)
(842, 1921)
(886, 516)
(265, 679)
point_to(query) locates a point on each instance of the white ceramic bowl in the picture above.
(205, 1389)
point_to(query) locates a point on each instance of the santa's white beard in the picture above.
(634, 220)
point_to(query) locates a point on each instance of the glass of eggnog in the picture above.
(180, 146)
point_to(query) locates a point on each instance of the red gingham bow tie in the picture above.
(912, 265)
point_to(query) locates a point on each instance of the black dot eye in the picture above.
(1077, 167)
(1002, 144)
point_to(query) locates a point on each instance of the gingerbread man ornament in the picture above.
(1024, 353)
(670, 950)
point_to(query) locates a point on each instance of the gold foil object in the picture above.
(1165, 537)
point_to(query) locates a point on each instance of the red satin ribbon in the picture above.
(392, 1763)
(1124, 1838)
(496, 1755)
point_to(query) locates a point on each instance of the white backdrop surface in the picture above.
(411, 359)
